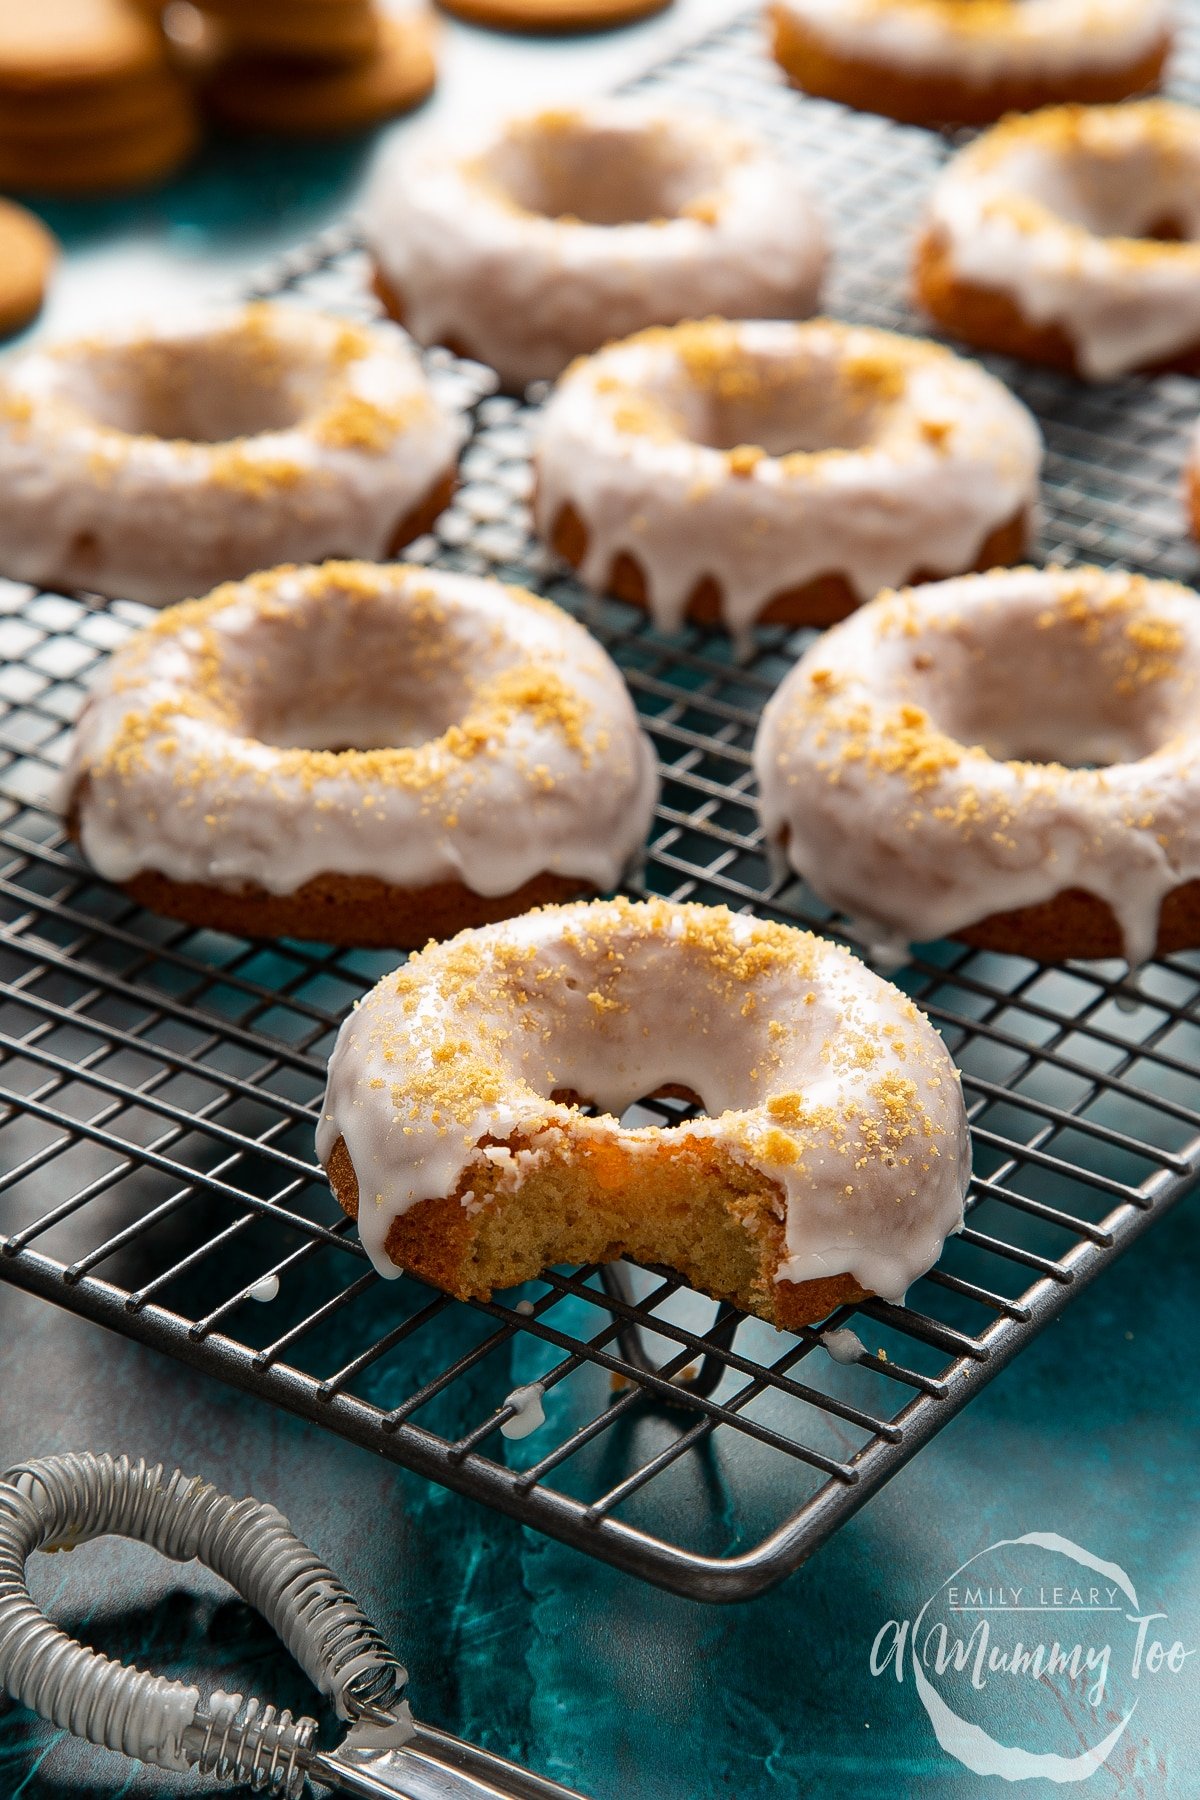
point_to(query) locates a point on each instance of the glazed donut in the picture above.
(496, 758)
(554, 232)
(772, 471)
(967, 62)
(833, 1163)
(1069, 238)
(1012, 759)
(151, 462)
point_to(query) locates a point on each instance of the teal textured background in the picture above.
(627, 1693)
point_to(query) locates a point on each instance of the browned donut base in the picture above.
(395, 306)
(1076, 925)
(822, 601)
(356, 910)
(578, 1213)
(85, 551)
(423, 515)
(991, 319)
(1192, 497)
(810, 63)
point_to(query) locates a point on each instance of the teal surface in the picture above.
(627, 1693)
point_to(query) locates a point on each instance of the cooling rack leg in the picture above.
(614, 1278)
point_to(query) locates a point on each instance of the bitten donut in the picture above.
(361, 755)
(833, 1163)
(771, 471)
(551, 233)
(947, 62)
(1012, 759)
(151, 463)
(1069, 238)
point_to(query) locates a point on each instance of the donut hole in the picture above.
(1026, 743)
(686, 1103)
(785, 404)
(352, 673)
(210, 389)
(341, 725)
(1143, 190)
(348, 707)
(561, 166)
(1080, 695)
(617, 1036)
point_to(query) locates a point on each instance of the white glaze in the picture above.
(311, 437)
(526, 291)
(529, 1412)
(980, 42)
(367, 1742)
(1046, 211)
(177, 765)
(804, 1059)
(892, 818)
(844, 1345)
(944, 459)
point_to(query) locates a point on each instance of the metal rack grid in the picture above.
(160, 1083)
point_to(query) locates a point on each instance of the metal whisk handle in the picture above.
(58, 1502)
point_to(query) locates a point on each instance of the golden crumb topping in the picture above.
(238, 465)
(1144, 645)
(500, 979)
(849, 381)
(743, 459)
(1122, 626)
(136, 396)
(352, 422)
(1162, 136)
(912, 746)
(223, 691)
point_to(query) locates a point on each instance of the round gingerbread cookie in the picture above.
(552, 15)
(109, 162)
(74, 43)
(27, 255)
(95, 110)
(301, 99)
(331, 30)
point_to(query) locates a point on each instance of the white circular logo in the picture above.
(1041, 1611)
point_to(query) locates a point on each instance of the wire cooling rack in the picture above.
(160, 1084)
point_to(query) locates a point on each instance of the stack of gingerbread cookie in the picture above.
(311, 67)
(88, 100)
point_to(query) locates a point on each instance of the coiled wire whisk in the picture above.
(58, 1502)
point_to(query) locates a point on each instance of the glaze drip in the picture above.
(895, 761)
(767, 454)
(152, 461)
(1062, 212)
